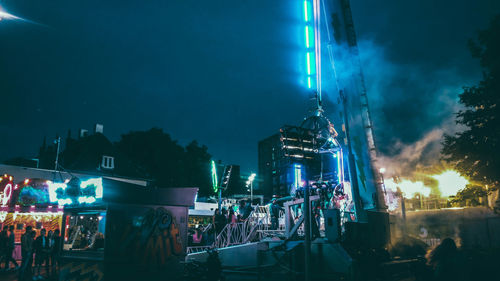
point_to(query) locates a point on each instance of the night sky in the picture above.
(222, 72)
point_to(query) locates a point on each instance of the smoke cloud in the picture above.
(412, 108)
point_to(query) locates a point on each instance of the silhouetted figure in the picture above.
(9, 249)
(27, 241)
(48, 264)
(41, 253)
(209, 237)
(245, 210)
(4, 237)
(214, 266)
(55, 250)
(274, 209)
(445, 262)
(219, 221)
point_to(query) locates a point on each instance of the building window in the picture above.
(108, 162)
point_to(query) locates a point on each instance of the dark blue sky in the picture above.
(222, 72)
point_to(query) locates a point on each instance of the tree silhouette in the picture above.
(475, 151)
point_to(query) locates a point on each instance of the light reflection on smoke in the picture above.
(449, 183)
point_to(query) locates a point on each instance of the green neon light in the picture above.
(215, 186)
(309, 37)
(307, 10)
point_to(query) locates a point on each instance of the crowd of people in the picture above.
(36, 252)
(221, 218)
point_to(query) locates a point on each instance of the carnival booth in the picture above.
(120, 231)
(27, 203)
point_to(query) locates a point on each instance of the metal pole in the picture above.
(403, 213)
(220, 200)
(383, 182)
(220, 190)
(56, 164)
(353, 175)
(251, 193)
(57, 153)
(307, 231)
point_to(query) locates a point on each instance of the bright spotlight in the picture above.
(7, 16)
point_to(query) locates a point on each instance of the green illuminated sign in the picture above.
(214, 177)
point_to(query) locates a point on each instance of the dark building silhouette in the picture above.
(236, 184)
(288, 159)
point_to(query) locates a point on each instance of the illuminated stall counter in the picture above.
(27, 203)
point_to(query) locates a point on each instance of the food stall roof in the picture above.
(126, 193)
(207, 213)
(21, 173)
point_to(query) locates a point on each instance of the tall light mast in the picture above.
(333, 18)
(343, 46)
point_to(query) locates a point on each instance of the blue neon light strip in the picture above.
(298, 175)
(339, 168)
(307, 9)
(310, 42)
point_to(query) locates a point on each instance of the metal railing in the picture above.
(197, 249)
(256, 227)
(252, 229)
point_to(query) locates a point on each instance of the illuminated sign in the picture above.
(214, 177)
(7, 193)
(88, 192)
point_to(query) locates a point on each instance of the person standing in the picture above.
(9, 249)
(219, 221)
(41, 252)
(3, 245)
(245, 209)
(55, 250)
(275, 214)
(49, 261)
(26, 252)
(197, 237)
(241, 210)
(232, 219)
(209, 237)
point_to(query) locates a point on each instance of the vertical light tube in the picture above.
(298, 175)
(215, 185)
(306, 11)
(317, 45)
(309, 32)
(339, 168)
